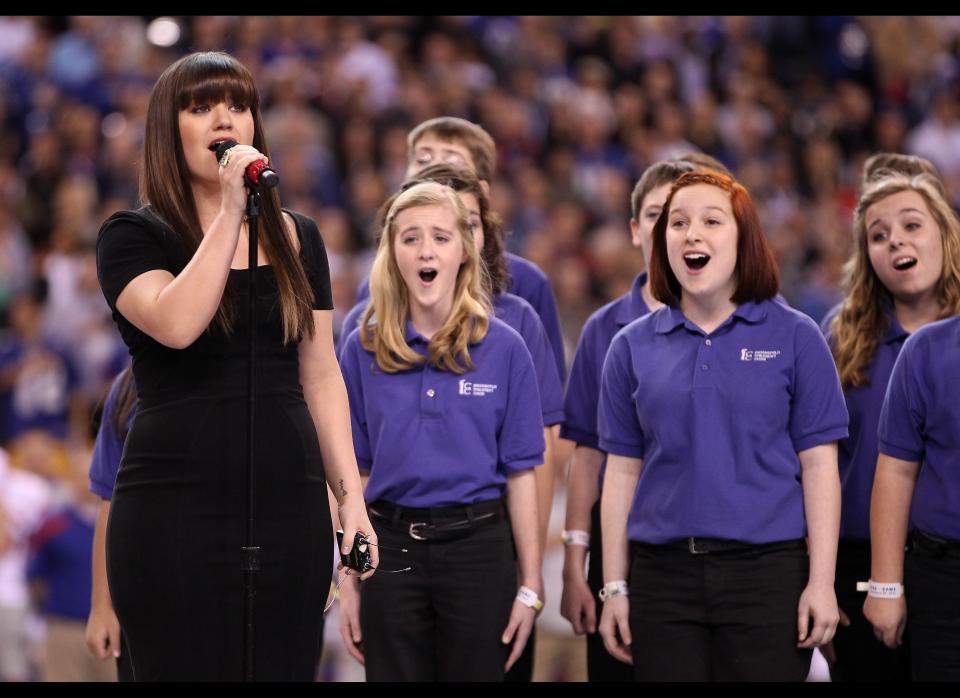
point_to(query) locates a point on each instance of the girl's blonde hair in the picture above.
(859, 327)
(383, 324)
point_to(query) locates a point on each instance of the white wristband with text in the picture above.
(528, 597)
(885, 590)
(576, 538)
(616, 588)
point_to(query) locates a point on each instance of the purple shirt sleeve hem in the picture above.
(520, 464)
(553, 417)
(580, 437)
(101, 490)
(907, 454)
(618, 449)
(820, 438)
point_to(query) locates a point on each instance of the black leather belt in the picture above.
(438, 523)
(936, 546)
(704, 546)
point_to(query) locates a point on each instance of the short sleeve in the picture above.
(818, 414)
(313, 254)
(108, 448)
(126, 248)
(548, 378)
(583, 393)
(901, 427)
(620, 430)
(350, 366)
(520, 442)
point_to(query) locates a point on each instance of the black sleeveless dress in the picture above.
(177, 520)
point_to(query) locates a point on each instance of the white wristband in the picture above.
(576, 538)
(528, 597)
(885, 590)
(616, 588)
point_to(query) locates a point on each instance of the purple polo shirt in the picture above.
(433, 438)
(920, 421)
(719, 419)
(530, 283)
(858, 452)
(521, 316)
(108, 447)
(583, 387)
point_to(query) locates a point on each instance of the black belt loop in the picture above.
(395, 521)
(470, 514)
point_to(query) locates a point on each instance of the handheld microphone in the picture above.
(257, 173)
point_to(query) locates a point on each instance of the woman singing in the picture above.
(173, 274)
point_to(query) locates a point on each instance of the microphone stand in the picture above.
(250, 553)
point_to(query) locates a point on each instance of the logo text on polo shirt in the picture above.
(758, 354)
(477, 389)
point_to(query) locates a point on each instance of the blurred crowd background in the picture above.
(578, 106)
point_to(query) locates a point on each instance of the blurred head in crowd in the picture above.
(647, 200)
(881, 165)
(906, 252)
(709, 243)
(705, 162)
(454, 141)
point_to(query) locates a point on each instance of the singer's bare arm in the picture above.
(326, 397)
(175, 310)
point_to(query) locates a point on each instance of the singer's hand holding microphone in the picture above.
(243, 164)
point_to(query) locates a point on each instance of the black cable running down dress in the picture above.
(177, 522)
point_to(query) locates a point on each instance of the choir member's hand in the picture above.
(577, 604)
(888, 617)
(817, 616)
(350, 618)
(615, 628)
(103, 632)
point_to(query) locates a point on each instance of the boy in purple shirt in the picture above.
(905, 233)
(579, 603)
(446, 418)
(720, 414)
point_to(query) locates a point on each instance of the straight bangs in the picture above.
(216, 80)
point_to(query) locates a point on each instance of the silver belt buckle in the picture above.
(413, 530)
(692, 547)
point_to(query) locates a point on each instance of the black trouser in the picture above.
(601, 666)
(720, 616)
(442, 621)
(932, 586)
(860, 656)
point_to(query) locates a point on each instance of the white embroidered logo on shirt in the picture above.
(758, 354)
(478, 389)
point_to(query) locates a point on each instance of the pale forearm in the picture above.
(545, 475)
(893, 487)
(327, 399)
(582, 493)
(522, 506)
(100, 594)
(821, 501)
(620, 483)
(177, 311)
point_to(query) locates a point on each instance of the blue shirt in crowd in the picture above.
(857, 453)
(61, 558)
(433, 438)
(920, 421)
(521, 316)
(719, 420)
(530, 283)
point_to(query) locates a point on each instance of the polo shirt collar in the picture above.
(895, 331)
(671, 317)
(411, 336)
(634, 305)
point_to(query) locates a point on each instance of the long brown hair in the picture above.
(758, 277)
(165, 180)
(858, 328)
(389, 304)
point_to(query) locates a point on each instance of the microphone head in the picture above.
(222, 147)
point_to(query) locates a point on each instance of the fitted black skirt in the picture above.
(177, 525)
